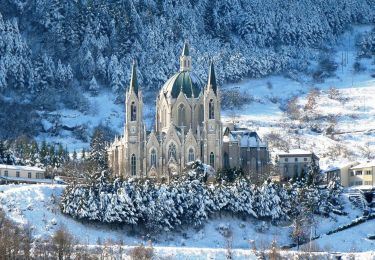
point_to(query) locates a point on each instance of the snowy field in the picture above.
(37, 206)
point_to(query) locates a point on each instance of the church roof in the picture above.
(184, 81)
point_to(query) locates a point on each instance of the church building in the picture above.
(187, 127)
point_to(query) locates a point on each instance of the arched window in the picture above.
(201, 114)
(172, 151)
(133, 164)
(181, 115)
(226, 160)
(133, 112)
(153, 157)
(211, 110)
(212, 159)
(191, 155)
(295, 170)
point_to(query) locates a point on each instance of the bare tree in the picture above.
(62, 242)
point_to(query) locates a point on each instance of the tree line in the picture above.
(189, 200)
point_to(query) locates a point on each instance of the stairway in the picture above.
(357, 198)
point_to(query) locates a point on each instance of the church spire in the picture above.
(133, 79)
(185, 50)
(185, 58)
(212, 77)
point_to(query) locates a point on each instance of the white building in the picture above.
(17, 173)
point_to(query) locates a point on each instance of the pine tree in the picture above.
(313, 175)
(93, 86)
(98, 152)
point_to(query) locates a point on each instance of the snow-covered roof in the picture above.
(21, 168)
(244, 137)
(339, 166)
(295, 152)
(364, 165)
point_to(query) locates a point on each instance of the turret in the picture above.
(185, 59)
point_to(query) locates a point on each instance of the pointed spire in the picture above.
(185, 59)
(212, 77)
(133, 79)
(185, 50)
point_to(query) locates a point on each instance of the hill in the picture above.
(54, 56)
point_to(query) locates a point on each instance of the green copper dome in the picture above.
(184, 81)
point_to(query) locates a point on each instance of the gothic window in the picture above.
(211, 110)
(212, 159)
(201, 114)
(133, 164)
(226, 160)
(153, 157)
(191, 155)
(181, 115)
(133, 112)
(172, 151)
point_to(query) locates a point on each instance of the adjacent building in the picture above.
(362, 174)
(340, 172)
(16, 173)
(187, 127)
(244, 148)
(295, 163)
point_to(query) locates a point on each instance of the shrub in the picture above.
(142, 253)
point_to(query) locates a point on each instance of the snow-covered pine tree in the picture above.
(98, 152)
(313, 176)
(93, 86)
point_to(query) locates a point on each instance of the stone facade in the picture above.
(243, 148)
(294, 163)
(187, 127)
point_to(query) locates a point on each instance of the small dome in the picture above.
(185, 81)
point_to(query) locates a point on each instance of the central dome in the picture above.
(184, 81)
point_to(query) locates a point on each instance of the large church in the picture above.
(187, 127)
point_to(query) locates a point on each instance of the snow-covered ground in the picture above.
(355, 112)
(37, 206)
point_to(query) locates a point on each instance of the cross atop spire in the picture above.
(133, 79)
(212, 77)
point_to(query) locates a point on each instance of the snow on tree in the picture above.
(93, 86)
(98, 152)
(88, 66)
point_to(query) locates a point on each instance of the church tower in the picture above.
(212, 127)
(134, 132)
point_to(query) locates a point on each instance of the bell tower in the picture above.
(134, 131)
(213, 127)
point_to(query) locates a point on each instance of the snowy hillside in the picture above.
(53, 56)
(352, 111)
(36, 205)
